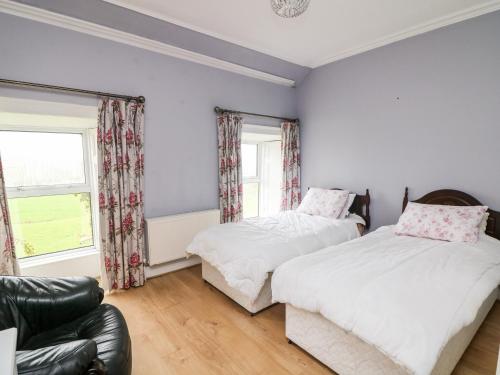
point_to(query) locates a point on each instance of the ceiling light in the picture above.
(289, 8)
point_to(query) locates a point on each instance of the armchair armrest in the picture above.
(74, 358)
(49, 302)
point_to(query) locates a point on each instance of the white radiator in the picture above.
(169, 236)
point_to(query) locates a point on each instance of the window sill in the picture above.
(56, 257)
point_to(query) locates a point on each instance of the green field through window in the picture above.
(49, 224)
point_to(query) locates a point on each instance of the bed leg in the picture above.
(252, 314)
(290, 342)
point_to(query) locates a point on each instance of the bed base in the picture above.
(347, 354)
(213, 277)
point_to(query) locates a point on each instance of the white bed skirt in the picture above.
(215, 278)
(347, 354)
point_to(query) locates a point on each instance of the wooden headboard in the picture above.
(361, 206)
(458, 198)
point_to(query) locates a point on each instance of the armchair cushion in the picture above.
(105, 326)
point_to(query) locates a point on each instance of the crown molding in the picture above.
(414, 31)
(89, 28)
(71, 23)
(202, 30)
(437, 23)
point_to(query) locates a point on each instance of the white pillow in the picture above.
(438, 222)
(484, 223)
(323, 202)
(345, 211)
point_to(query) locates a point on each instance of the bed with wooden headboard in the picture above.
(346, 353)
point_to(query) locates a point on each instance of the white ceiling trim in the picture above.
(89, 28)
(201, 30)
(413, 31)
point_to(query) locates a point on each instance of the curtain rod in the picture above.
(140, 99)
(220, 110)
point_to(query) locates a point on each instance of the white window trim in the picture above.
(261, 129)
(40, 260)
(264, 130)
(30, 107)
(90, 186)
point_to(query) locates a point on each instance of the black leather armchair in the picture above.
(62, 327)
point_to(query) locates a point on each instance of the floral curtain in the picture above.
(230, 175)
(290, 154)
(120, 140)
(8, 261)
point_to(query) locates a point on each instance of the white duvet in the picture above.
(245, 252)
(407, 296)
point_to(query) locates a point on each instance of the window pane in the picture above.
(270, 179)
(34, 158)
(249, 160)
(48, 224)
(250, 199)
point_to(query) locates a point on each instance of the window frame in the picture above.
(264, 131)
(89, 147)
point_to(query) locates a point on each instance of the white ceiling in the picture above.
(328, 31)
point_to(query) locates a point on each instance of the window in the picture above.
(49, 177)
(261, 168)
(251, 181)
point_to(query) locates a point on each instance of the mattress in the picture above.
(347, 354)
(215, 278)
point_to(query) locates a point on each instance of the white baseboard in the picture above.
(176, 265)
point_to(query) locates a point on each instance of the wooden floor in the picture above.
(180, 325)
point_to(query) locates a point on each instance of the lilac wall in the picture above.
(423, 112)
(181, 142)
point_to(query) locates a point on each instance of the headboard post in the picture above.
(367, 209)
(405, 199)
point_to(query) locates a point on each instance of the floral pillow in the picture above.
(447, 223)
(323, 202)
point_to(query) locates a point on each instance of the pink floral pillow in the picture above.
(323, 202)
(447, 223)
